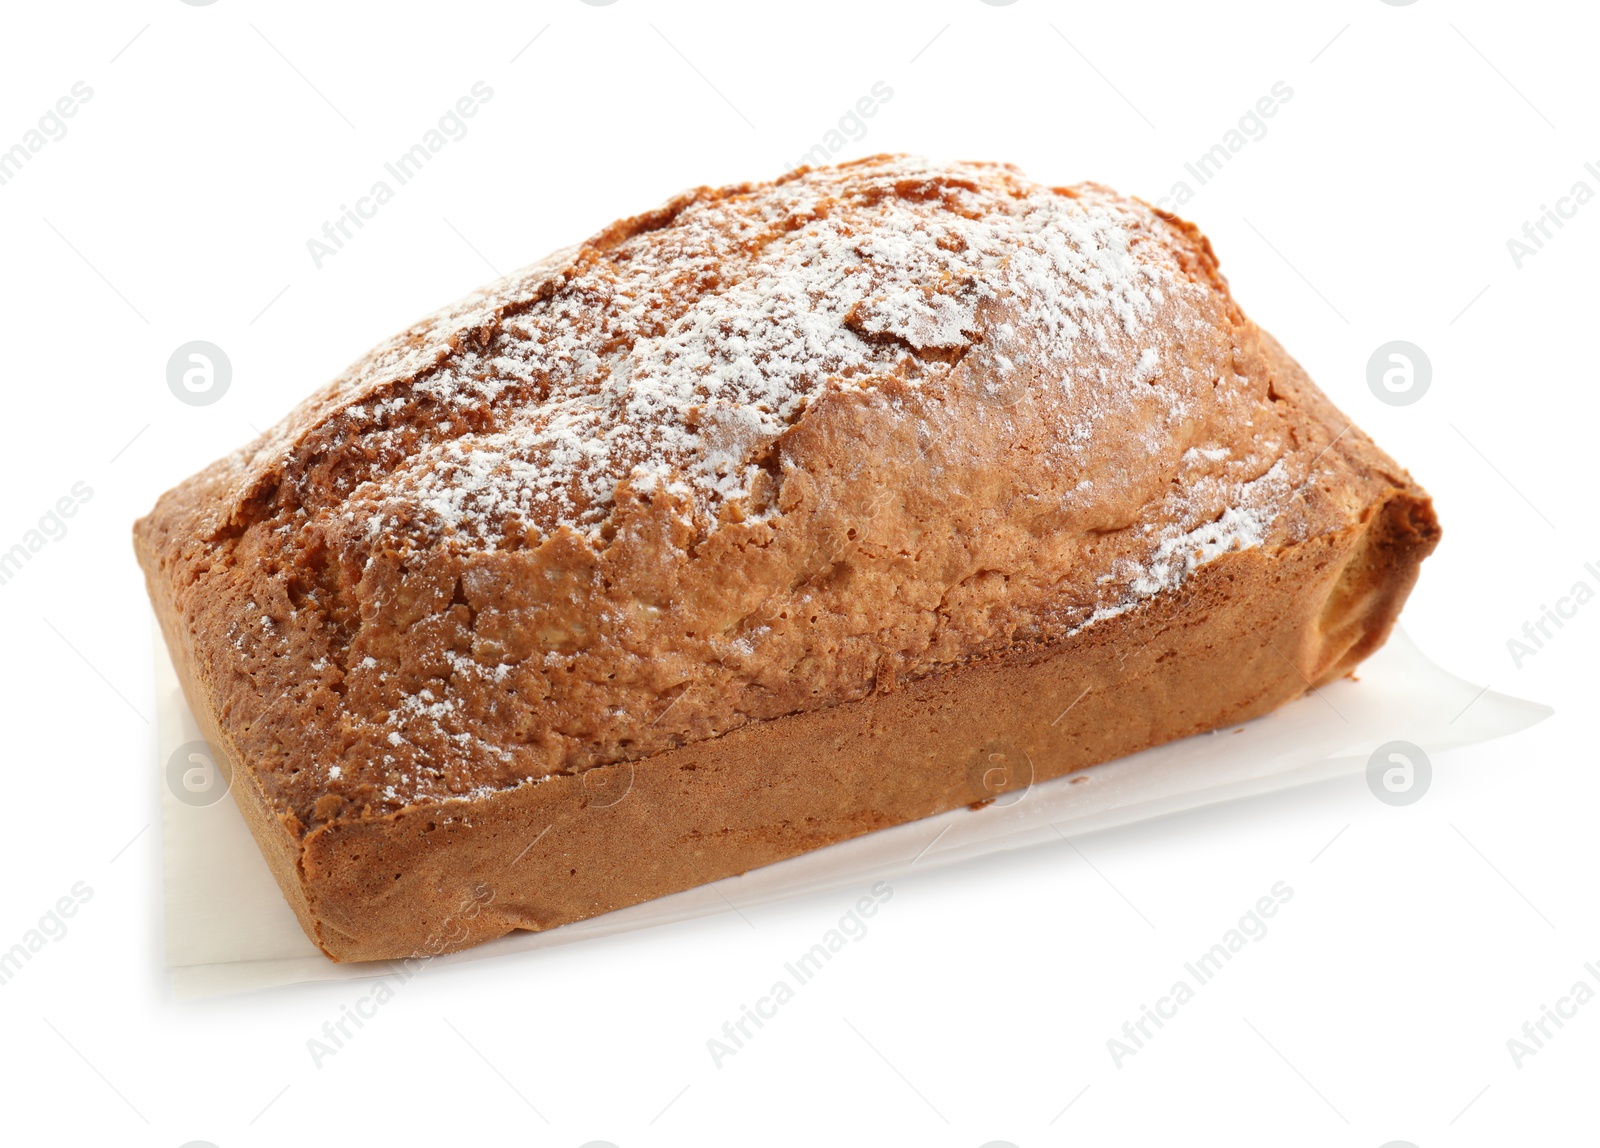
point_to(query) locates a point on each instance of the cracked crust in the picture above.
(1028, 444)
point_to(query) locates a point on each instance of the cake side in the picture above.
(1247, 633)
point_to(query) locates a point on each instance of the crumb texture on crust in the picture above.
(767, 449)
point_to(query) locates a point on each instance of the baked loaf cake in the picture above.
(779, 514)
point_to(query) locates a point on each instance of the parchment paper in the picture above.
(228, 928)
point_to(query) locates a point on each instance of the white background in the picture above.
(1417, 142)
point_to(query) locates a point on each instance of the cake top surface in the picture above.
(661, 354)
(767, 448)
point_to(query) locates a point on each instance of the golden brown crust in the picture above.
(1027, 438)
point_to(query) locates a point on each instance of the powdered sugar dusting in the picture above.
(1240, 527)
(670, 360)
